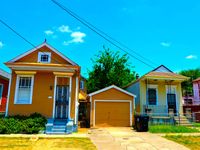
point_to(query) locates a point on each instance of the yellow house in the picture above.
(47, 82)
(158, 92)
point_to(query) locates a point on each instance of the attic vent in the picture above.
(44, 57)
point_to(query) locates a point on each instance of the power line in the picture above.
(93, 28)
(120, 43)
(18, 34)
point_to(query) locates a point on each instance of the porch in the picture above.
(159, 114)
(65, 105)
(162, 101)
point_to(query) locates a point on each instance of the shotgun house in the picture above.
(4, 82)
(196, 92)
(45, 81)
(191, 105)
(158, 94)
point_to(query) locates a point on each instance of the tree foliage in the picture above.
(109, 68)
(187, 85)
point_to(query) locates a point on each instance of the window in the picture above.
(152, 96)
(24, 88)
(82, 85)
(1, 92)
(44, 57)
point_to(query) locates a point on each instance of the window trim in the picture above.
(152, 87)
(1, 93)
(44, 53)
(17, 85)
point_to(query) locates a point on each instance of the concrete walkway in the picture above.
(127, 139)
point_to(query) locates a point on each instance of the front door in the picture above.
(171, 100)
(62, 102)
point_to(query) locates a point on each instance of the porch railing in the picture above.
(155, 110)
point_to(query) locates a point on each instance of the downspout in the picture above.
(146, 107)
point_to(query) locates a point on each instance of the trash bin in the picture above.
(141, 123)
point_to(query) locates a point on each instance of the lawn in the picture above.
(46, 143)
(171, 129)
(197, 125)
(192, 142)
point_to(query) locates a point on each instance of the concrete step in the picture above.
(62, 133)
(182, 120)
(188, 125)
(58, 130)
(59, 127)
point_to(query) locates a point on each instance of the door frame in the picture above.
(177, 106)
(54, 97)
(67, 105)
(125, 101)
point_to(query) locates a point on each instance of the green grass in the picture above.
(46, 143)
(197, 125)
(192, 142)
(171, 129)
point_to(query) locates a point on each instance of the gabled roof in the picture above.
(161, 72)
(36, 48)
(4, 74)
(110, 87)
(198, 79)
(161, 68)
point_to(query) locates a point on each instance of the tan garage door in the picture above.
(112, 114)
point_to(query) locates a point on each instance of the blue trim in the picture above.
(54, 126)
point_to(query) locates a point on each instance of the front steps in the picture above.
(60, 126)
(182, 120)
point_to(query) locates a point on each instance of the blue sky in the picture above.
(165, 31)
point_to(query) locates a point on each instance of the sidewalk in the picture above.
(127, 139)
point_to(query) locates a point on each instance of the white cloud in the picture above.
(165, 44)
(191, 57)
(77, 37)
(1, 44)
(64, 28)
(49, 32)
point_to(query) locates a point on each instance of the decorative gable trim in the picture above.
(38, 47)
(162, 68)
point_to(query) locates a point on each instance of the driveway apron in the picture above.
(127, 139)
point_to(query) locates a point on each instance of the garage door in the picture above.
(112, 114)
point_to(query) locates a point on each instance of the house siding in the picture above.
(135, 89)
(41, 103)
(5, 83)
(33, 57)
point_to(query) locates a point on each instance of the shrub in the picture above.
(22, 124)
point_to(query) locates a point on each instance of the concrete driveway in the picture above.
(127, 139)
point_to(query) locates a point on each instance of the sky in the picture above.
(165, 31)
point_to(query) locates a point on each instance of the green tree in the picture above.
(109, 68)
(187, 85)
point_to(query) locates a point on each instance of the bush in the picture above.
(171, 129)
(22, 124)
